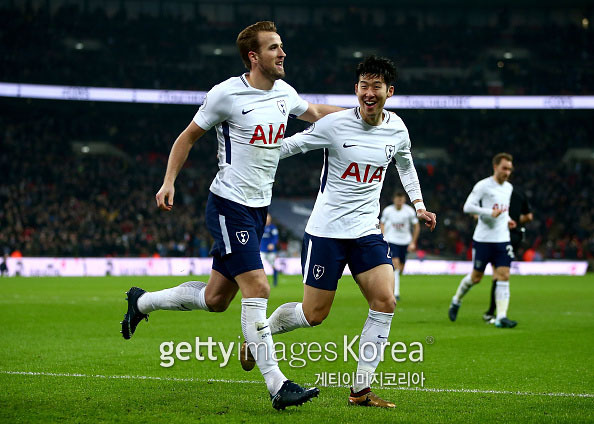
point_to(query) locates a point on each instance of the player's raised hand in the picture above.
(429, 217)
(164, 197)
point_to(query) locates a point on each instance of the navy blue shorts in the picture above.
(499, 254)
(323, 259)
(399, 251)
(237, 231)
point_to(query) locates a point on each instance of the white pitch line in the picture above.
(221, 380)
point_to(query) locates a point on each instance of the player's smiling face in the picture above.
(372, 92)
(271, 57)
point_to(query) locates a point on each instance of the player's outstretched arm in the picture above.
(317, 111)
(177, 157)
(316, 136)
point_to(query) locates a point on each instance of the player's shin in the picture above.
(256, 331)
(502, 298)
(463, 288)
(287, 317)
(371, 346)
(185, 297)
(492, 304)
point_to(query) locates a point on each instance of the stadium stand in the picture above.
(184, 44)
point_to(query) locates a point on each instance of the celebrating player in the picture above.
(396, 222)
(358, 144)
(490, 199)
(250, 114)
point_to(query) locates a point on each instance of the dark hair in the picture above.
(499, 156)
(377, 66)
(399, 193)
(247, 40)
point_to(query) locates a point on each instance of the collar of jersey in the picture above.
(384, 121)
(244, 79)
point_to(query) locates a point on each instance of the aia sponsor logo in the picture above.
(268, 135)
(367, 176)
(504, 208)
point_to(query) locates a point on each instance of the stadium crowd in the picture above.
(441, 50)
(59, 201)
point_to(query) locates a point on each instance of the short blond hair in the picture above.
(247, 40)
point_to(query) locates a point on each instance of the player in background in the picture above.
(343, 228)
(250, 114)
(400, 226)
(490, 200)
(521, 212)
(268, 247)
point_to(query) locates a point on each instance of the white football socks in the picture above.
(502, 298)
(287, 317)
(371, 347)
(257, 334)
(185, 297)
(396, 283)
(465, 285)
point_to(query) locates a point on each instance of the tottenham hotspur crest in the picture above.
(242, 236)
(390, 150)
(282, 106)
(318, 271)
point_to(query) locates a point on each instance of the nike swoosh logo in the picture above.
(245, 112)
(380, 337)
(260, 329)
(346, 146)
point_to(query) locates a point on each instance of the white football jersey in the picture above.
(356, 156)
(398, 224)
(250, 125)
(485, 196)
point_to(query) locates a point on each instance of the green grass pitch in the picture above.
(61, 356)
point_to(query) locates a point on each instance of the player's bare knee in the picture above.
(315, 321)
(217, 302)
(476, 277)
(502, 275)
(260, 289)
(316, 317)
(386, 304)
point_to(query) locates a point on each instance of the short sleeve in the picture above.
(215, 109)
(297, 105)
